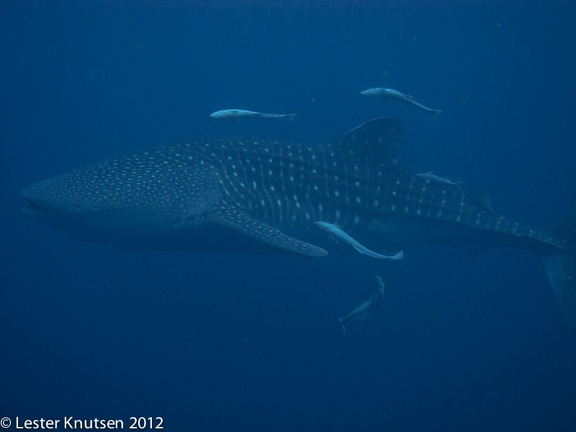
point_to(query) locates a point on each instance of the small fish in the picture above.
(432, 178)
(338, 233)
(235, 114)
(376, 294)
(386, 93)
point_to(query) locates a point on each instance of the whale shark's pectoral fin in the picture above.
(238, 220)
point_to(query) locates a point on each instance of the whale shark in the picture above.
(263, 196)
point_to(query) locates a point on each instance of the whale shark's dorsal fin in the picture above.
(237, 220)
(379, 141)
(481, 198)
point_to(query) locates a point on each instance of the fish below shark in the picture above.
(263, 196)
(377, 288)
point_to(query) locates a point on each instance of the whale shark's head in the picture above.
(137, 195)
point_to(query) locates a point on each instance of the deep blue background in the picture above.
(235, 342)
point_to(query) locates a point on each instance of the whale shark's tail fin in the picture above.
(561, 269)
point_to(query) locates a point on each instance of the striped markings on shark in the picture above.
(263, 196)
(377, 288)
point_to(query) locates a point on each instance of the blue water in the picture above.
(465, 340)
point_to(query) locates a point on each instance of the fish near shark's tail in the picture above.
(561, 269)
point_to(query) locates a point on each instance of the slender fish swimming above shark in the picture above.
(263, 196)
(234, 114)
(391, 94)
(431, 178)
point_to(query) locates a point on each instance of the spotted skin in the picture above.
(263, 195)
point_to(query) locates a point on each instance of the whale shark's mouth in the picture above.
(37, 206)
(36, 209)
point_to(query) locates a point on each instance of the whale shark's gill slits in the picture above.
(272, 179)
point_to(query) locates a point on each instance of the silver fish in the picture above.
(235, 114)
(340, 234)
(368, 306)
(387, 93)
(431, 178)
